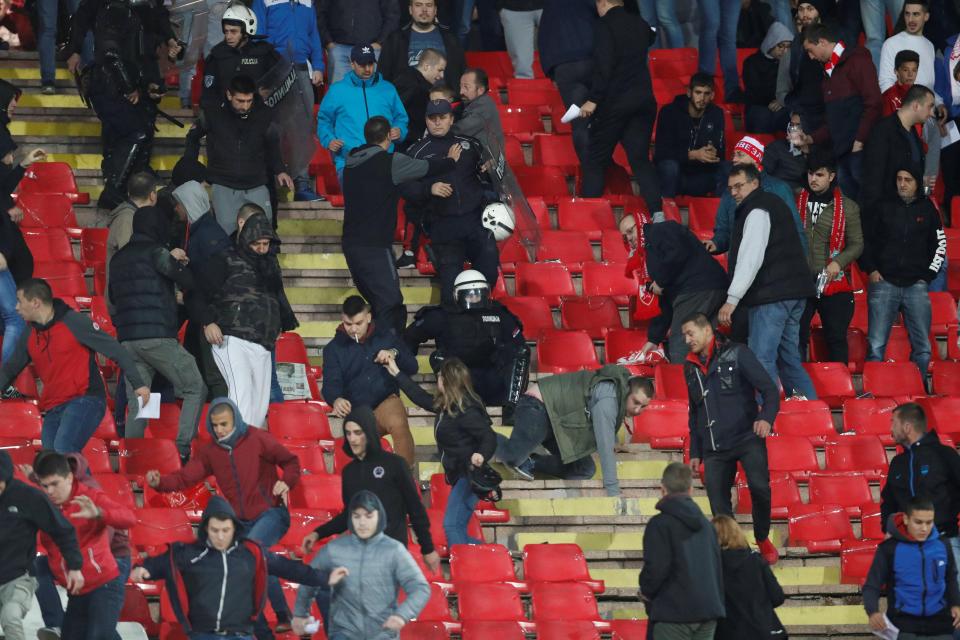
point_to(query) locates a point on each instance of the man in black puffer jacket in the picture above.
(681, 581)
(247, 310)
(142, 292)
(352, 375)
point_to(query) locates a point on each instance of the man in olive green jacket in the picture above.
(572, 415)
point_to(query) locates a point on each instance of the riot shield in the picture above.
(504, 182)
(189, 21)
(292, 107)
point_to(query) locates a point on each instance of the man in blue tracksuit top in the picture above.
(291, 27)
(920, 575)
(349, 103)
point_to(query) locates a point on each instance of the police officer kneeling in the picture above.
(453, 202)
(483, 334)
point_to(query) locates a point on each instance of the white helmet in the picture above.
(499, 218)
(240, 14)
(471, 289)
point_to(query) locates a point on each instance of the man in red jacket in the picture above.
(93, 610)
(244, 462)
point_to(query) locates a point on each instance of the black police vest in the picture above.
(473, 336)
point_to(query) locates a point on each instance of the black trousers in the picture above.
(627, 120)
(573, 81)
(836, 312)
(450, 251)
(374, 271)
(720, 469)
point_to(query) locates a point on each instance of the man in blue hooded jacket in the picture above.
(351, 102)
(217, 585)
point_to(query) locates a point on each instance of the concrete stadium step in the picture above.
(81, 130)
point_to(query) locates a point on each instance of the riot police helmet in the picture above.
(240, 15)
(471, 290)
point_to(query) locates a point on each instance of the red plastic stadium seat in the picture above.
(556, 151)
(64, 278)
(157, 528)
(946, 378)
(943, 414)
(540, 211)
(702, 216)
(21, 450)
(303, 522)
(101, 316)
(193, 500)
(629, 629)
(612, 248)
(139, 455)
(482, 563)
(669, 382)
(49, 245)
(565, 601)
(596, 315)
(856, 556)
(565, 351)
(490, 601)
(793, 454)
(303, 420)
(513, 150)
(291, 348)
(318, 491)
(48, 212)
(871, 525)
(98, 456)
(869, 416)
(857, 453)
(499, 629)
(663, 424)
(819, 528)
(898, 346)
(831, 381)
(474, 530)
(137, 609)
(562, 562)
(944, 313)
(849, 490)
(521, 121)
(572, 248)
(856, 343)
(486, 511)
(19, 419)
(673, 63)
(424, 631)
(437, 608)
(810, 419)
(512, 252)
(892, 379)
(621, 343)
(547, 182)
(590, 215)
(117, 487)
(534, 313)
(784, 495)
(93, 247)
(547, 280)
(567, 630)
(603, 279)
(49, 179)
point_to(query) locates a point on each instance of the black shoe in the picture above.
(406, 260)
(11, 393)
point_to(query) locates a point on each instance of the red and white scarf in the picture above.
(834, 59)
(837, 238)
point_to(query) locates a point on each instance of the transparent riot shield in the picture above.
(189, 19)
(504, 182)
(292, 107)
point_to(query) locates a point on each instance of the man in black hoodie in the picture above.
(25, 511)
(681, 582)
(689, 146)
(143, 294)
(904, 248)
(371, 178)
(414, 85)
(218, 584)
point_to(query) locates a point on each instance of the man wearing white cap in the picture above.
(749, 151)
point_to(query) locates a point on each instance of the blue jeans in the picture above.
(267, 529)
(51, 609)
(884, 302)
(781, 13)
(94, 616)
(940, 282)
(662, 16)
(873, 14)
(688, 179)
(775, 340)
(13, 324)
(718, 30)
(460, 506)
(67, 427)
(849, 172)
(276, 393)
(47, 36)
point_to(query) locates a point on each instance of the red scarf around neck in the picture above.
(837, 238)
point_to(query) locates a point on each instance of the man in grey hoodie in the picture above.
(367, 571)
(764, 113)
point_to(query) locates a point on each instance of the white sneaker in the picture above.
(639, 357)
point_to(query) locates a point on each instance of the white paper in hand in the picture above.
(953, 135)
(890, 633)
(572, 114)
(150, 411)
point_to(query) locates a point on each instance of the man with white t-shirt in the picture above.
(915, 16)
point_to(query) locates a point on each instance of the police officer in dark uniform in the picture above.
(240, 53)
(483, 334)
(124, 83)
(453, 202)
